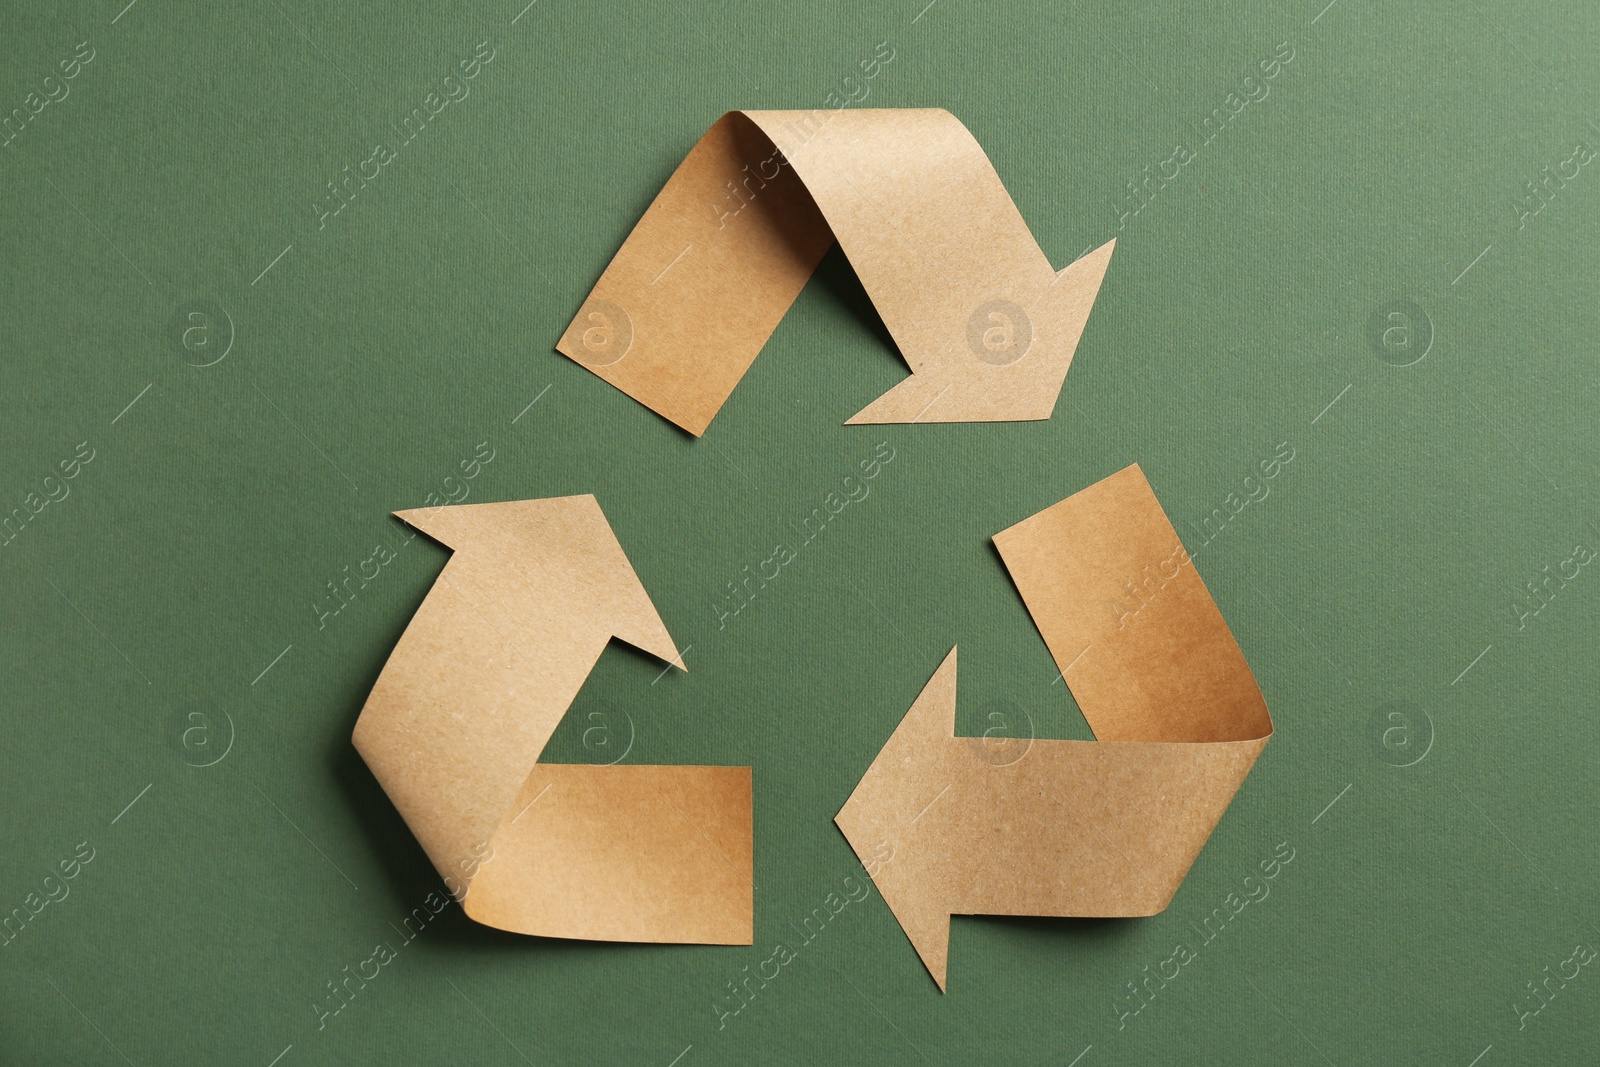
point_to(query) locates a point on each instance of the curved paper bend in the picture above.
(473, 691)
(986, 325)
(955, 826)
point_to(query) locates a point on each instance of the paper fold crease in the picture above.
(986, 325)
(965, 826)
(456, 721)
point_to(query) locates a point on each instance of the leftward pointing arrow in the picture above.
(985, 323)
(470, 696)
(1071, 828)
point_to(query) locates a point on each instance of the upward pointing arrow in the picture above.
(985, 323)
(951, 826)
(472, 693)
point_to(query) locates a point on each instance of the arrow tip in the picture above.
(1081, 280)
(562, 551)
(968, 386)
(892, 819)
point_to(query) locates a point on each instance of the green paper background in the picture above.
(1384, 566)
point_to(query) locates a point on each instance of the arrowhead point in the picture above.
(437, 522)
(569, 551)
(1083, 277)
(962, 386)
(883, 819)
(950, 394)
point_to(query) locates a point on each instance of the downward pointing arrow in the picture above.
(471, 695)
(986, 325)
(1103, 828)
(1014, 362)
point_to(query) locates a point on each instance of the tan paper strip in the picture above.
(986, 325)
(958, 826)
(470, 696)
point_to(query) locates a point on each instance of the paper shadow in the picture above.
(409, 877)
(1066, 933)
(837, 280)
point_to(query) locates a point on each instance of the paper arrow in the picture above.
(986, 325)
(470, 696)
(1071, 828)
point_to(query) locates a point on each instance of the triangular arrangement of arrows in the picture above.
(1072, 828)
(471, 694)
(986, 324)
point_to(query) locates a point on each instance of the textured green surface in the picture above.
(380, 350)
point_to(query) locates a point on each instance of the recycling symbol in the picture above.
(535, 589)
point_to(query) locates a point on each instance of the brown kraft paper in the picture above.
(471, 694)
(954, 826)
(986, 324)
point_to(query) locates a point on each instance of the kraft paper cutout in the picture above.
(986, 324)
(468, 700)
(949, 826)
